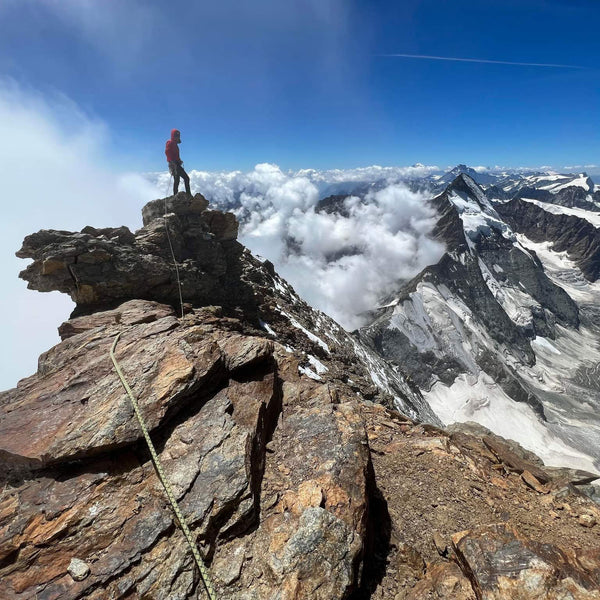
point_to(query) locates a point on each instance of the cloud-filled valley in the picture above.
(342, 262)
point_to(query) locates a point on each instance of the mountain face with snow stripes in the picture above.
(504, 329)
(501, 328)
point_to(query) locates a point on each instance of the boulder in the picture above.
(180, 203)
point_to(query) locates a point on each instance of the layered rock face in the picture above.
(295, 485)
(102, 267)
(217, 399)
(571, 234)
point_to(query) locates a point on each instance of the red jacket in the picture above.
(172, 149)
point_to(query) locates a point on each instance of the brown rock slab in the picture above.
(514, 461)
(113, 516)
(241, 351)
(82, 409)
(66, 413)
(132, 312)
(504, 564)
(313, 524)
(533, 482)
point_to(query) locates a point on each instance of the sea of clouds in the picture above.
(343, 264)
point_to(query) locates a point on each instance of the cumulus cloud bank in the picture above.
(342, 262)
(54, 174)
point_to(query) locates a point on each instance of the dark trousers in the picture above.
(186, 180)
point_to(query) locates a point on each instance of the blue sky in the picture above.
(305, 83)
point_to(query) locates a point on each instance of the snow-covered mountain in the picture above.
(480, 283)
(549, 182)
(504, 329)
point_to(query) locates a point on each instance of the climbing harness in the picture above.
(163, 478)
(172, 251)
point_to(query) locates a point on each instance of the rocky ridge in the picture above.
(567, 233)
(100, 269)
(295, 483)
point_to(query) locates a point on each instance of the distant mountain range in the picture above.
(504, 329)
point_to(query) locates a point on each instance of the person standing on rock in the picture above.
(175, 163)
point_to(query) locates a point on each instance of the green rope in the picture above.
(163, 479)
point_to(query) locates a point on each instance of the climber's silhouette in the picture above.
(175, 163)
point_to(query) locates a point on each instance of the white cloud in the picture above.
(371, 173)
(341, 264)
(54, 175)
(576, 167)
(347, 264)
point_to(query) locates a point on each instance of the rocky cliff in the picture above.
(305, 464)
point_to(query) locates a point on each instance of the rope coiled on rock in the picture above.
(163, 479)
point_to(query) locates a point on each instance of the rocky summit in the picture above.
(306, 465)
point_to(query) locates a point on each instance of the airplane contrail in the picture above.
(481, 60)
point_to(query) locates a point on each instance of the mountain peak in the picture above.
(467, 188)
(479, 176)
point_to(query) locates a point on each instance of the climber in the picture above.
(175, 163)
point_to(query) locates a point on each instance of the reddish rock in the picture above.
(132, 312)
(76, 406)
(290, 521)
(443, 581)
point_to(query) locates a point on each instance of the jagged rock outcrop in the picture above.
(294, 484)
(101, 268)
(229, 412)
